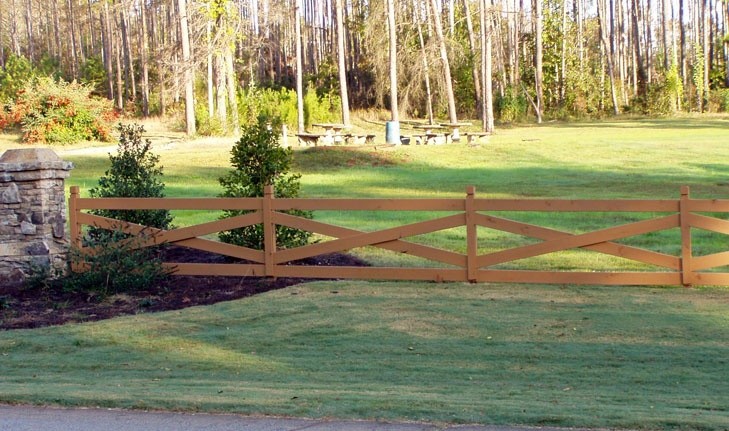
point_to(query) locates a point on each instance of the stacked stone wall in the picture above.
(32, 212)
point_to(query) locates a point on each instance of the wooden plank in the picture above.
(219, 269)
(284, 204)
(710, 261)
(170, 203)
(709, 205)
(73, 212)
(203, 229)
(712, 224)
(580, 278)
(372, 273)
(398, 245)
(558, 205)
(711, 278)
(370, 238)
(611, 248)
(578, 241)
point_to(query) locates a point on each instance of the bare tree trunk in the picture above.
(426, 67)
(130, 87)
(29, 28)
(538, 77)
(394, 114)
(706, 24)
(664, 34)
(341, 62)
(144, 60)
(74, 55)
(220, 89)
(487, 104)
(107, 51)
(611, 70)
(2, 45)
(14, 28)
(188, 66)
(210, 65)
(56, 28)
(232, 90)
(452, 115)
(642, 78)
(299, 68)
(563, 71)
(472, 46)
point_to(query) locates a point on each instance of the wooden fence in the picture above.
(471, 212)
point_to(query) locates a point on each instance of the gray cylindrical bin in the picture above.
(392, 132)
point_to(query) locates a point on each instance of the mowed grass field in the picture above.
(619, 357)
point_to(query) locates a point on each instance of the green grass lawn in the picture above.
(623, 357)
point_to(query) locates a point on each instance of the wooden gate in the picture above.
(473, 213)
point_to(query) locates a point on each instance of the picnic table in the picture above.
(433, 134)
(453, 127)
(332, 131)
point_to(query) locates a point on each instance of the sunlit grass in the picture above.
(497, 354)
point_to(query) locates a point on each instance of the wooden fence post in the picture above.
(687, 276)
(269, 232)
(73, 215)
(471, 236)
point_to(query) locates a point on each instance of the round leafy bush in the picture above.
(58, 112)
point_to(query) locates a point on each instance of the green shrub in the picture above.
(115, 265)
(205, 125)
(134, 172)
(18, 71)
(259, 160)
(512, 106)
(58, 112)
(256, 101)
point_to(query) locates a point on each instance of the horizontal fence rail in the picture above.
(469, 212)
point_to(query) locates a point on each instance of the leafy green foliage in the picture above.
(117, 264)
(58, 112)
(267, 102)
(18, 71)
(134, 172)
(93, 74)
(511, 106)
(698, 75)
(259, 160)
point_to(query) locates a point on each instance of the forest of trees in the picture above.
(541, 58)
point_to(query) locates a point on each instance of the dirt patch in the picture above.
(22, 307)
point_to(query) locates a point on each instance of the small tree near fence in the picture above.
(259, 161)
(134, 172)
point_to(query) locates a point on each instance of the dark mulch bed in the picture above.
(22, 307)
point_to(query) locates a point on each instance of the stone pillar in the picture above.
(32, 212)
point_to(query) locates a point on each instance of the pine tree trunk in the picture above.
(538, 56)
(487, 110)
(426, 68)
(394, 114)
(232, 85)
(106, 51)
(299, 68)
(472, 46)
(144, 60)
(29, 28)
(341, 62)
(188, 66)
(452, 115)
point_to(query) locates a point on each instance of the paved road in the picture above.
(14, 418)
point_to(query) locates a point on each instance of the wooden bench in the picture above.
(313, 139)
(473, 136)
(352, 139)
